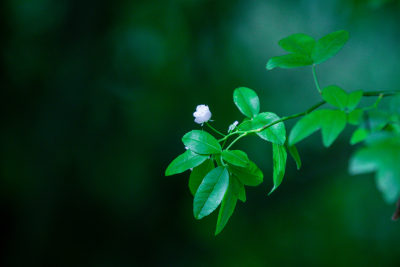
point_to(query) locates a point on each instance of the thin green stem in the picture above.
(237, 139)
(316, 79)
(215, 130)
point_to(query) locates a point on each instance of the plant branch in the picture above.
(380, 94)
(316, 79)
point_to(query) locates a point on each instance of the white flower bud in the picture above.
(202, 114)
(232, 126)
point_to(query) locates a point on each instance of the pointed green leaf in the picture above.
(358, 136)
(226, 210)
(295, 155)
(247, 101)
(355, 117)
(289, 61)
(305, 127)
(334, 122)
(279, 157)
(335, 96)
(329, 45)
(184, 162)
(353, 99)
(198, 174)
(251, 175)
(238, 188)
(201, 142)
(210, 192)
(235, 157)
(298, 43)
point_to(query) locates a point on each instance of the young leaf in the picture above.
(279, 157)
(201, 142)
(238, 188)
(184, 162)
(235, 157)
(354, 117)
(251, 175)
(289, 61)
(210, 192)
(358, 136)
(226, 210)
(247, 101)
(305, 127)
(329, 45)
(335, 96)
(198, 174)
(333, 123)
(295, 155)
(353, 99)
(298, 43)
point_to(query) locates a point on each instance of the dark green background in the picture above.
(96, 96)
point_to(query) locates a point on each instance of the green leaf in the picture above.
(383, 158)
(358, 136)
(210, 192)
(198, 174)
(298, 43)
(201, 142)
(305, 127)
(226, 210)
(235, 157)
(355, 117)
(334, 122)
(279, 157)
(275, 133)
(238, 188)
(329, 45)
(335, 96)
(331, 123)
(289, 61)
(184, 162)
(251, 175)
(353, 99)
(295, 154)
(247, 101)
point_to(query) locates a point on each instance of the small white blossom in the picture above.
(202, 114)
(232, 126)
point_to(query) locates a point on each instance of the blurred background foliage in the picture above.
(97, 94)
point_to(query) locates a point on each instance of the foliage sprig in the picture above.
(219, 175)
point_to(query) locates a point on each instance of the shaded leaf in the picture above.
(383, 158)
(295, 155)
(235, 157)
(238, 188)
(226, 210)
(355, 117)
(279, 157)
(334, 122)
(198, 174)
(251, 175)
